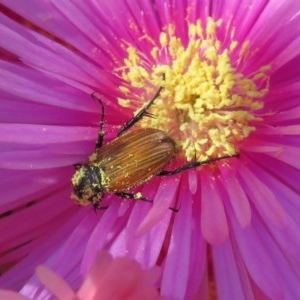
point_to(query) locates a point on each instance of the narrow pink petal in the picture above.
(142, 248)
(9, 295)
(55, 245)
(97, 271)
(44, 54)
(274, 32)
(46, 16)
(262, 197)
(107, 225)
(52, 208)
(87, 18)
(119, 278)
(286, 187)
(285, 149)
(44, 134)
(193, 181)
(238, 15)
(287, 115)
(55, 283)
(176, 273)
(281, 105)
(32, 184)
(235, 284)
(259, 145)
(202, 290)
(163, 200)
(289, 155)
(267, 265)
(27, 84)
(213, 218)
(146, 18)
(288, 238)
(279, 130)
(237, 197)
(26, 146)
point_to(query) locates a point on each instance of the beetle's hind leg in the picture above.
(138, 196)
(194, 164)
(101, 132)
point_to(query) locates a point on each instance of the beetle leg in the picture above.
(140, 114)
(138, 196)
(101, 132)
(193, 164)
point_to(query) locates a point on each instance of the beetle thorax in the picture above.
(89, 182)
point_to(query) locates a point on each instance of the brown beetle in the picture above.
(124, 163)
(127, 161)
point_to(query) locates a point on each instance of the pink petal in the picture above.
(213, 218)
(235, 284)
(262, 197)
(176, 271)
(264, 263)
(27, 147)
(193, 181)
(55, 283)
(237, 197)
(106, 226)
(163, 200)
(9, 295)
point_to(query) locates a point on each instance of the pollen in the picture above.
(208, 103)
(77, 177)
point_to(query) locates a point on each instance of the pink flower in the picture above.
(119, 278)
(230, 85)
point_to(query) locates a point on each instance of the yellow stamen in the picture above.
(207, 106)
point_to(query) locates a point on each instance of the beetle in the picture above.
(128, 161)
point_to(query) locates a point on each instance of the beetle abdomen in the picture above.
(135, 157)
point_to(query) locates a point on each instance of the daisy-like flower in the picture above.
(229, 77)
(119, 278)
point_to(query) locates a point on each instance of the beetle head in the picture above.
(88, 184)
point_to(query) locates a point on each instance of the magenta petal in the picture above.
(56, 248)
(185, 258)
(287, 115)
(213, 218)
(27, 146)
(45, 15)
(142, 247)
(55, 283)
(163, 200)
(262, 197)
(176, 270)
(281, 130)
(20, 83)
(235, 284)
(98, 238)
(9, 295)
(237, 197)
(46, 215)
(288, 237)
(193, 181)
(277, 277)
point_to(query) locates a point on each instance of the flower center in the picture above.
(207, 105)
